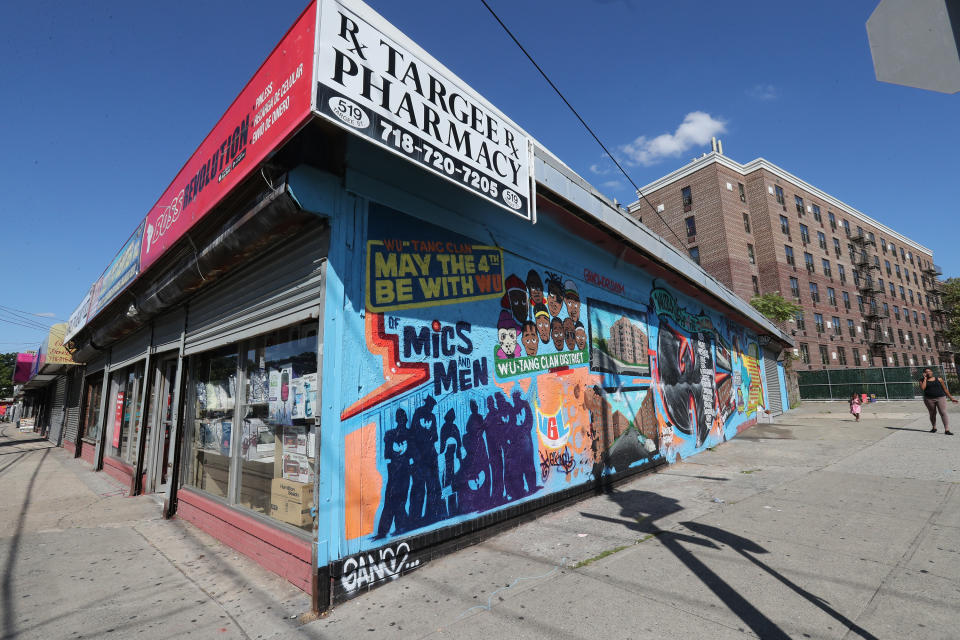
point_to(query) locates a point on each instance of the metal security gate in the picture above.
(55, 413)
(774, 391)
(72, 409)
(885, 383)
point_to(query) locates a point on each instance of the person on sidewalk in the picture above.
(855, 406)
(935, 394)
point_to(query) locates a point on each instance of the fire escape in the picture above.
(877, 332)
(938, 314)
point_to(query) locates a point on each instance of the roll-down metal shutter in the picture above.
(282, 287)
(55, 413)
(96, 364)
(130, 349)
(74, 391)
(167, 329)
(774, 394)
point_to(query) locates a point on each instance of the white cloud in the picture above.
(600, 171)
(611, 184)
(46, 315)
(696, 129)
(763, 92)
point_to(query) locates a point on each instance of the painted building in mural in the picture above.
(432, 327)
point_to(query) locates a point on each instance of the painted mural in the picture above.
(487, 379)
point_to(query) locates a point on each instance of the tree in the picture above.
(8, 363)
(775, 307)
(951, 303)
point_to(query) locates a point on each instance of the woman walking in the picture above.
(855, 406)
(935, 394)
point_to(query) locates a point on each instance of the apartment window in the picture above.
(886, 309)
(842, 273)
(687, 196)
(903, 296)
(814, 292)
(746, 222)
(896, 360)
(756, 285)
(846, 227)
(903, 257)
(883, 245)
(859, 231)
(842, 355)
(893, 293)
(779, 193)
(789, 252)
(910, 339)
(896, 312)
(856, 357)
(750, 254)
(691, 226)
(831, 296)
(800, 320)
(821, 240)
(893, 249)
(911, 295)
(794, 287)
(915, 279)
(818, 322)
(910, 256)
(856, 277)
(743, 193)
(851, 329)
(923, 316)
(824, 355)
(694, 254)
(804, 353)
(836, 247)
(915, 321)
(833, 220)
(906, 315)
(826, 267)
(886, 264)
(836, 326)
(846, 300)
(804, 234)
(896, 268)
(880, 282)
(798, 201)
(900, 335)
(784, 225)
(816, 213)
(808, 260)
(860, 303)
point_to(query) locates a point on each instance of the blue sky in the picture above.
(103, 104)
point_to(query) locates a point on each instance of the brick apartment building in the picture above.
(870, 295)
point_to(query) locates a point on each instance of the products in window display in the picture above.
(225, 429)
(281, 400)
(257, 387)
(209, 436)
(289, 511)
(295, 440)
(304, 396)
(219, 396)
(257, 440)
(297, 467)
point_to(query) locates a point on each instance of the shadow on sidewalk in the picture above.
(640, 510)
(6, 586)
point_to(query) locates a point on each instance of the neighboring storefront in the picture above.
(388, 341)
(50, 382)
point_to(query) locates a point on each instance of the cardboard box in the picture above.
(289, 511)
(301, 492)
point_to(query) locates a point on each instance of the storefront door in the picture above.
(160, 453)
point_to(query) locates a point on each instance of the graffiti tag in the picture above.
(366, 569)
(562, 460)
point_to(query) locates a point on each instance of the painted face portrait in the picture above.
(569, 334)
(571, 298)
(535, 287)
(554, 296)
(518, 304)
(508, 341)
(543, 327)
(530, 339)
(556, 332)
(581, 336)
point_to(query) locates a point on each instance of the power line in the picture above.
(26, 326)
(580, 118)
(30, 313)
(5, 315)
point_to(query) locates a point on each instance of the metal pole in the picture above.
(136, 486)
(883, 374)
(101, 432)
(173, 479)
(829, 384)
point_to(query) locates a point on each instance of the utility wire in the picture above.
(6, 315)
(580, 118)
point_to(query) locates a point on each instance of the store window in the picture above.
(251, 417)
(91, 414)
(123, 413)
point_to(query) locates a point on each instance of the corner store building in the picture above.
(371, 321)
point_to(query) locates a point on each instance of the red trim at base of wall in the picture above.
(69, 446)
(118, 470)
(746, 425)
(86, 452)
(278, 551)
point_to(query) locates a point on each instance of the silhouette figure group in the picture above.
(490, 464)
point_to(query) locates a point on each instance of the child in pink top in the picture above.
(855, 406)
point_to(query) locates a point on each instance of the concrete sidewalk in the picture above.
(811, 527)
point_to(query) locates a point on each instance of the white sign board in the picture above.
(372, 80)
(79, 317)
